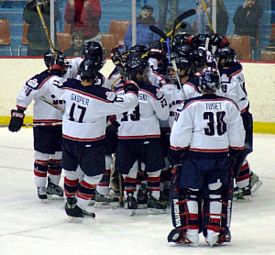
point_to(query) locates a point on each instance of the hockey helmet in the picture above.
(134, 65)
(119, 54)
(88, 69)
(209, 80)
(93, 51)
(227, 54)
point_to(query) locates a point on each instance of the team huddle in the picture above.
(168, 127)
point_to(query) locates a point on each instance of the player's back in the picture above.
(143, 121)
(211, 124)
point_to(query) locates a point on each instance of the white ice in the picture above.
(30, 227)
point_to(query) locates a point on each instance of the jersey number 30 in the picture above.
(220, 125)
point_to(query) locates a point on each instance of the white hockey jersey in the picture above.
(208, 124)
(143, 121)
(86, 109)
(174, 98)
(233, 86)
(47, 108)
(190, 88)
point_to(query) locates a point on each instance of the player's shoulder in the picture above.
(35, 81)
(149, 89)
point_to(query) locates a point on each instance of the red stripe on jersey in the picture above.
(209, 150)
(177, 148)
(238, 148)
(238, 71)
(138, 137)
(77, 139)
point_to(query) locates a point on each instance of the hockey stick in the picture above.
(204, 6)
(44, 25)
(44, 99)
(183, 16)
(37, 124)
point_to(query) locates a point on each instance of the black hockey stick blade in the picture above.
(185, 15)
(157, 31)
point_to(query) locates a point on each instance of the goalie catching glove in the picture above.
(16, 121)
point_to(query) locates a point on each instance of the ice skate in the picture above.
(242, 194)
(54, 190)
(42, 193)
(180, 236)
(74, 211)
(255, 183)
(156, 206)
(102, 201)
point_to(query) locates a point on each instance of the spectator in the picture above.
(163, 23)
(144, 34)
(84, 16)
(38, 42)
(246, 21)
(202, 25)
(77, 45)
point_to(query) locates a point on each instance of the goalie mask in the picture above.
(209, 81)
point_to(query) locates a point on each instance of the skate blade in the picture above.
(256, 186)
(242, 200)
(146, 211)
(103, 205)
(75, 220)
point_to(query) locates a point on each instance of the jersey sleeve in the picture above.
(236, 132)
(160, 105)
(181, 133)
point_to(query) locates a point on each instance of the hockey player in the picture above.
(47, 119)
(139, 136)
(118, 55)
(84, 124)
(207, 133)
(233, 87)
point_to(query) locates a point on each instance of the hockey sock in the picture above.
(70, 183)
(153, 184)
(54, 171)
(86, 190)
(40, 172)
(243, 178)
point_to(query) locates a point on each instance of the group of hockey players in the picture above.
(168, 126)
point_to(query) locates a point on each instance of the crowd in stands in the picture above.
(84, 16)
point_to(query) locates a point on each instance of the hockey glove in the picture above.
(237, 157)
(131, 87)
(16, 121)
(176, 157)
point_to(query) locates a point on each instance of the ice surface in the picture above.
(30, 227)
